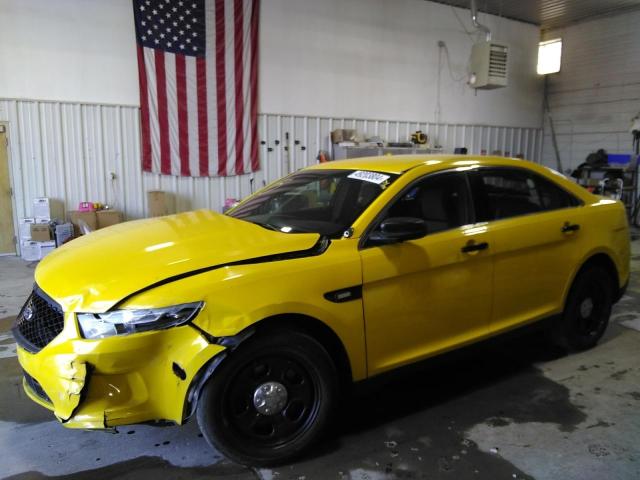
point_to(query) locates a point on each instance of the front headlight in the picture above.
(124, 322)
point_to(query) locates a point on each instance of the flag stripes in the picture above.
(198, 76)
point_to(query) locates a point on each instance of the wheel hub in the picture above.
(270, 398)
(586, 308)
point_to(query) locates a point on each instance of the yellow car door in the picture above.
(536, 242)
(427, 295)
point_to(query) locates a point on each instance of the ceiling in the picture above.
(549, 13)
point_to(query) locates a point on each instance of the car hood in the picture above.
(95, 272)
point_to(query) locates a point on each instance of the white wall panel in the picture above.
(331, 57)
(80, 152)
(597, 91)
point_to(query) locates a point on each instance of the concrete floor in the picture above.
(511, 410)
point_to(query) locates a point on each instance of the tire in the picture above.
(234, 417)
(587, 311)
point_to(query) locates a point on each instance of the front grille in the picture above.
(36, 387)
(40, 321)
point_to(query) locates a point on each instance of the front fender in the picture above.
(239, 296)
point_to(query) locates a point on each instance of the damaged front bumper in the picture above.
(118, 380)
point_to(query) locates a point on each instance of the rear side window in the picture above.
(511, 192)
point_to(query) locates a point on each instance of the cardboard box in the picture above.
(82, 221)
(30, 251)
(63, 233)
(106, 218)
(160, 203)
(45, 208)
(46, 248)
(24, 226)
(343, 135)
(40, 232)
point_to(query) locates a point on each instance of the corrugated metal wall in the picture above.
(597, 91)
(76, 152)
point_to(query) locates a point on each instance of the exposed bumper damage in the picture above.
(117, 381)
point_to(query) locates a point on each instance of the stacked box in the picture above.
(24, 225)
(45, 248)
(160, 203)
(106, 218)
(36, 232)
(48, 209)
(40, 232)
(30, 251)
(83, 222)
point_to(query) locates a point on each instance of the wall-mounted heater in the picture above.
(488, 65)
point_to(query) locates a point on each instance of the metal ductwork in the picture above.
(478, 25)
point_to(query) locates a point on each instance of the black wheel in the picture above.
(270, 399)
(587, 310)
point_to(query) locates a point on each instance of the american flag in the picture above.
(198, 73)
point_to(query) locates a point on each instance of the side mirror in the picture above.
(398, 229)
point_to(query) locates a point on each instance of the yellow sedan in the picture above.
(256, 321)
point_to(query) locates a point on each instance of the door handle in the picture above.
(570, 227)
(474, 247)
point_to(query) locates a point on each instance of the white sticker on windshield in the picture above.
(373, 177)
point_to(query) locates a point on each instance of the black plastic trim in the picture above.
(52, 303)
(344, 294)
(17, 335)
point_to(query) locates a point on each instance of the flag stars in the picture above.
(172, 25)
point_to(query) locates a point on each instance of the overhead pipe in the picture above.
(478, 25)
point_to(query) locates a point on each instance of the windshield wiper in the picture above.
(268, 226)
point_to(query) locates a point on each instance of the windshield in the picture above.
(314, 201)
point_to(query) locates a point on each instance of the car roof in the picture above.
(401, 163)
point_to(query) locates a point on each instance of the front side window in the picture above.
(441, 200)
(510, 192)
(315, 201)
